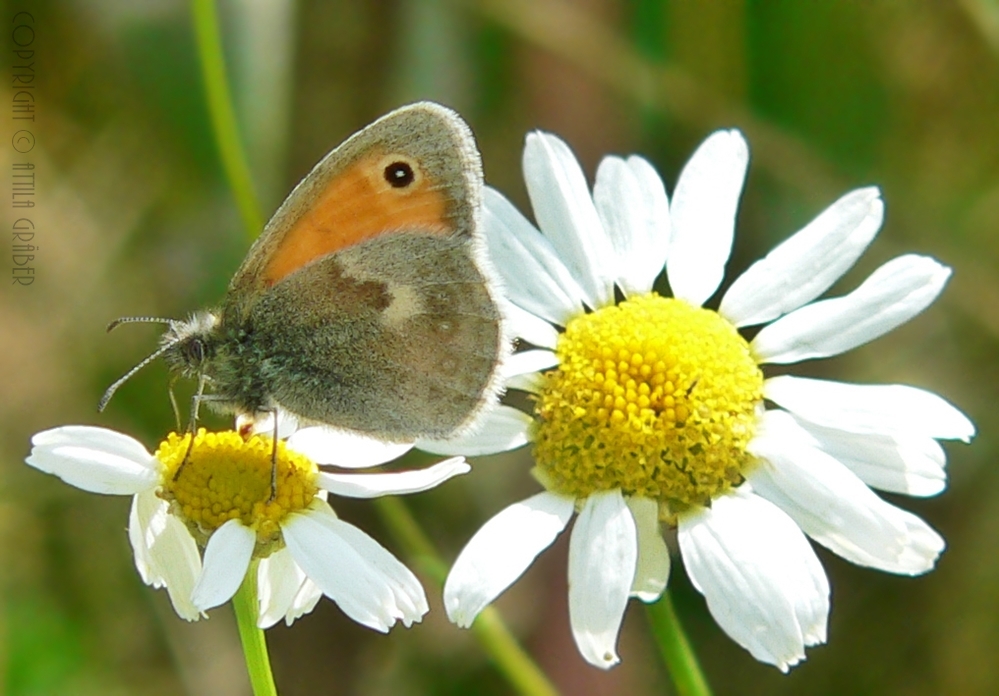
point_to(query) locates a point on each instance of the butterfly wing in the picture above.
(364, 303)
(415, 168)
(400, 338)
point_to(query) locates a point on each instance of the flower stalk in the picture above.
(675, 649)
(258, 663)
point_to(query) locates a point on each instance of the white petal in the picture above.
(535, 278)
(93, 437)
(368, 583)
(761, 579)
(909, 463)
(566, 214)
(892, 295)
(635, 213)
(833, 506)
(654, 195)
(344, 448)
(617, 200)
(503, 428)
(532, 383)
(703, 216)
(305, 601)
(165, 552)
(652, 572)
(501, 551)
(529, 361)
(869, 408)
(806, 265)
(529, 327)
(410, 600)
(279, 580)
(284, 591)
(394, 483)
(227, 557)
(603, 555)
(146, 507)
(95, 459)
(406, 588)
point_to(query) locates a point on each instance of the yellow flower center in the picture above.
(652, 396)
(227, 477)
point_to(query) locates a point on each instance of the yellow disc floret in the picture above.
(653, 396)
(226, 476)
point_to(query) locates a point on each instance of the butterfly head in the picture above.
(187, 346)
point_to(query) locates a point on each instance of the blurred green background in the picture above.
(135, 218)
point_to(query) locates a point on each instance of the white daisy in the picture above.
(657, 412)
(221, 500)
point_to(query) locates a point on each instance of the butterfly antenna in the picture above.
(125, 377)
(137, 320)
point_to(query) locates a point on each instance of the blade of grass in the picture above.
(223, 117)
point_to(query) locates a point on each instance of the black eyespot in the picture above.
(399, 175)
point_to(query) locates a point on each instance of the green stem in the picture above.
(224, 126)
(510, 658)
(675, 649)
(258, 663)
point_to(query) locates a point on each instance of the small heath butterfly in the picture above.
(364, 304)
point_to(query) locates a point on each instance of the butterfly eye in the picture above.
(195, 351)
(399, 175)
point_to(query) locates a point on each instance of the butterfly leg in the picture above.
(248, 428)
(274, 444)
(192, 424)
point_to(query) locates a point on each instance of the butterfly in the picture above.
(367, 302)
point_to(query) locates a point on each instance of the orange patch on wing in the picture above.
(357, 205)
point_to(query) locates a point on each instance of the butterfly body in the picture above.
(365, 304)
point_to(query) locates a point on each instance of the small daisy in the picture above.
(657, 413)
(221, 501)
